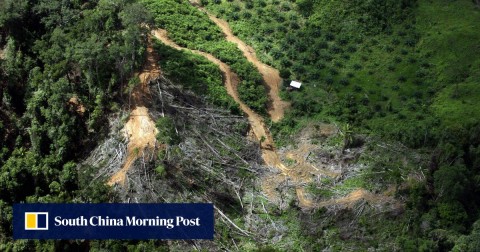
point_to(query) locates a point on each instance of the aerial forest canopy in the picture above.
(398, 81)
(64, 67)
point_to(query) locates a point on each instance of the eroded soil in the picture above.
(140, 130)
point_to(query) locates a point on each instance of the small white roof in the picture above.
(295, 84)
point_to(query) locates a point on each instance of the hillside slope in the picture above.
(379, 149)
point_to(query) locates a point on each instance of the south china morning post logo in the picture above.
(113, 221)
(107, 221)
(36, 221)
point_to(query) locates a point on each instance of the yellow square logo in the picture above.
(36, 221)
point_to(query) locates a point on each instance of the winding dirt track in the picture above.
(231, 82)
(270, 75)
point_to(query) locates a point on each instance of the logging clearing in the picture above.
(141, 133)
(299, 175)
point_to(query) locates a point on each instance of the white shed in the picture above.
(295, 84)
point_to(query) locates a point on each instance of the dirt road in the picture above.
(231, 82)
(270, 75)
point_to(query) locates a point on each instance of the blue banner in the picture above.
(113, 221)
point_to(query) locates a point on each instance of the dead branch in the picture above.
(244, 232)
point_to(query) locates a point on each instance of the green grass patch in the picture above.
(203, 78)
(450, 34)
(351, 184)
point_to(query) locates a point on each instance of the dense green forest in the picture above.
(404, 74)
(53, 51)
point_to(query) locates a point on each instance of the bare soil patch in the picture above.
(140, 129)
